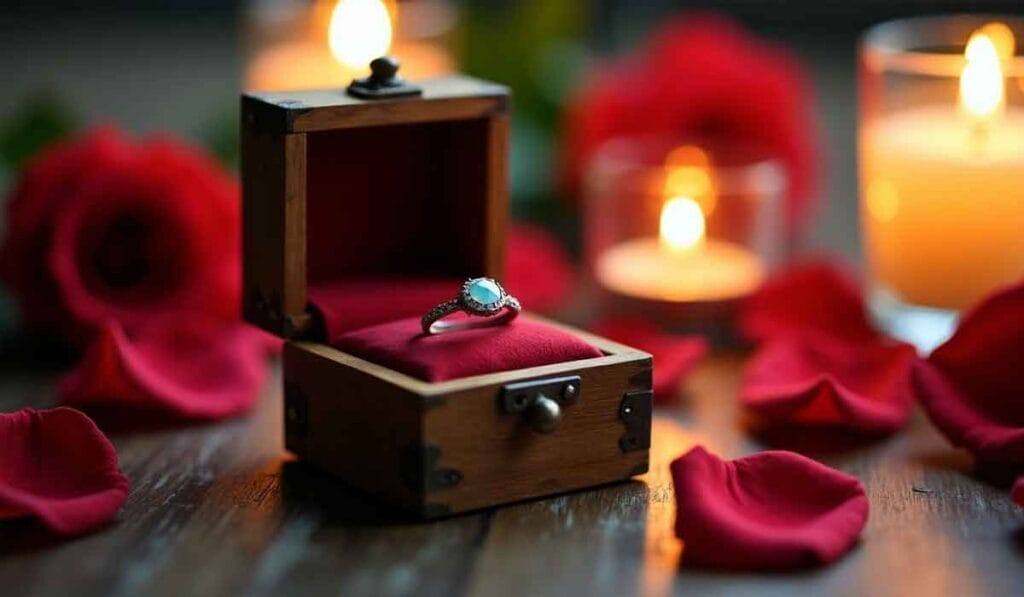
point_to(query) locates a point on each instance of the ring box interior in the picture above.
(359, 216)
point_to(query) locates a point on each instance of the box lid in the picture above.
(337, 187)
(454, 97)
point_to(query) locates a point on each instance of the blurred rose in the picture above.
(106, 228)
(701, 77)
(537, 268)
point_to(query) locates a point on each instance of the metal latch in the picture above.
(541, 401)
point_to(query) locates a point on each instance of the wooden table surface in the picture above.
(220, 510)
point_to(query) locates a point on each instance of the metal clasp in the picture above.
(541, 401)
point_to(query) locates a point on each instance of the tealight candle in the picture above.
(675, 232)
(942, 165)
(681, 265)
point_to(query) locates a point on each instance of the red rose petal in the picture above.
(674, 356)
(538, 270)
(184, 366)
(1017, 493)
(972, 386)
(814, 380)
(56, 465)
(813, 296)
(774, 510)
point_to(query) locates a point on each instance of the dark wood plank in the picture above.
(934, 529)
(220, 510)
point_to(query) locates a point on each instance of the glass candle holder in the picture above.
(679, 230)
(941, 148)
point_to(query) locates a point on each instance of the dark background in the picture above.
(150, 65)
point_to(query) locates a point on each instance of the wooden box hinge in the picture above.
(421, 472)
(635, 413)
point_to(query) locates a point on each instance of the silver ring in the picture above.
(482, 297)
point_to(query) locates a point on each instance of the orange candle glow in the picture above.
(681, 264)
(340, 48)
(943, 195)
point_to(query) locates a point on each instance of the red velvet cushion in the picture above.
(353, 304)
(402, 346)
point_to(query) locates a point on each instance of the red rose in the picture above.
(701, 77)
(105, 228)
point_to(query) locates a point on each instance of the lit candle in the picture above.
(681, 264)
(357, 32)
(943, 195)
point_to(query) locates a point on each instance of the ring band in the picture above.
(482, 297)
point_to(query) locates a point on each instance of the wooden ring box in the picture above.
(433, 168)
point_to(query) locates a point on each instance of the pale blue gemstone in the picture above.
(484, 291)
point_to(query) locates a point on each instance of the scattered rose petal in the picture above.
(811, 296)
(972, 386)
(815, 380)
(57, 466)
(1017, 493)
(184, 366)
(538, 270)
(674, 356)
(773, 510)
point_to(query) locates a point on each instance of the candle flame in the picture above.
(688, 173)
(360, 30)
(1002, 38)
(687, 155)
(682, 224)
(982, 92)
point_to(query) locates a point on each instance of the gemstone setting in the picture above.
(483, 296)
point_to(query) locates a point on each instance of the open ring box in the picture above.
(359, 216)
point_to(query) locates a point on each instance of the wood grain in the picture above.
(454, 97)
(336, 188)
(220, 510)
(274, 230)
(371, 425)
(496, 218)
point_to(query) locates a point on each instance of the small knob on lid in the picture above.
(384, 70)
(383, 81)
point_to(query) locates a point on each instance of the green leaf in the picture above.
(221, 137)
(38, 120)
